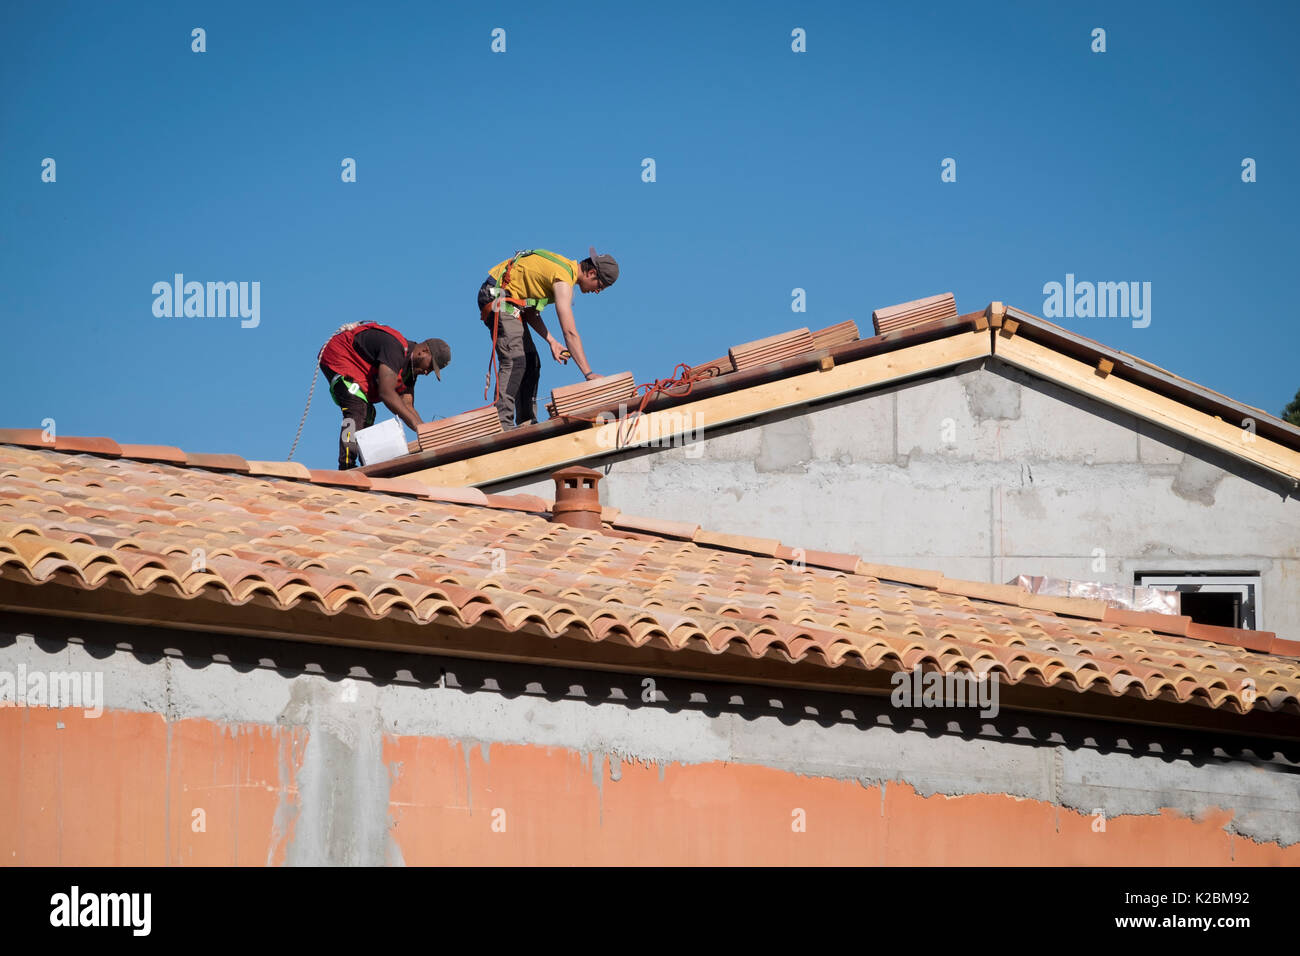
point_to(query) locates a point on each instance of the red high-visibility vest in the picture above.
(341, 356)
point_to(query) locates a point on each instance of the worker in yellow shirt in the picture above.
(513, 297)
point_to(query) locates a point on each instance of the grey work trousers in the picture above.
(519, 367)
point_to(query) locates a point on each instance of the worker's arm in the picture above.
(388, 394)
(538, 325)
(563, 293)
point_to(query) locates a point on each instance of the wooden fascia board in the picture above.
(113, 601)
(1149, 405)
(1047, 332)
(713, 412)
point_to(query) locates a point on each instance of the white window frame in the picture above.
(1212, 582)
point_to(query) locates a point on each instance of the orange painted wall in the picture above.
(121, 789)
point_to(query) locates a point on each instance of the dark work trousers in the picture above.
(519, 367)
(357, 413)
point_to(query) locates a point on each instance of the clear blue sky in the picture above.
(775, 170)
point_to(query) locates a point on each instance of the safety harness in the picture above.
(502, 301)
(350, 379)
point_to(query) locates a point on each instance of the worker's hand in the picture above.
(557, 351)
(592, 374)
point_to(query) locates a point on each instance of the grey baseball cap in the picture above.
(441, 353)
(606, 267)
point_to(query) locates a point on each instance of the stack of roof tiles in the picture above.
(718, 366)
(916, 312)
(598, 393)
(774, 348)
(833, 335)
(467, 426)
(779, 347)
(325, 546)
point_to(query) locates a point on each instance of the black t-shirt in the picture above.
(378, 347)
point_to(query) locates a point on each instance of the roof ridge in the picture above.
(220, 461)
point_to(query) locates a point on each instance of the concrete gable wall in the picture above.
(983, 473)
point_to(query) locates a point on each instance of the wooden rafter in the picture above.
(1236, 438)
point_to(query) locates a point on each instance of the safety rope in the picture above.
(493, 365)
(682, 377)
(494, 306)
(312, 391)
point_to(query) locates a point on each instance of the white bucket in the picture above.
(382, 442)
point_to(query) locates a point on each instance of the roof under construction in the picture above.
(802, 367)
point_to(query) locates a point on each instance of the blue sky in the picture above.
(774, 170)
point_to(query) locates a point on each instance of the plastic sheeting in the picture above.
(1125, 597)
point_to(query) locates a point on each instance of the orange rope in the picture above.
(494, 363)
(681, 377)
(492, 369)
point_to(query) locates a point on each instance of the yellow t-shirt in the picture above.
(534, 277)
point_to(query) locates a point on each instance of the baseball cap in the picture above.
(606, 267)
(441, 353)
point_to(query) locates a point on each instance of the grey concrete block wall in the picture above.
(985, 472)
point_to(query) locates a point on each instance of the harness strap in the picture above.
(353, 388)
(502, 300)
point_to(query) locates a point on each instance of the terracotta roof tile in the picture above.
(927, 579)
(519, 502)
(328, 550)
(154, 453)
(914, 313)
(27, 437)
(465, 496)
(1254, 640)
(1285, 647)
(277, 469)
(717, 366)
(467, 426)
(1074, 607)
(342, 479)
(1162, 623)
(737, 542)
(847, 563)
(774, 348)
(217, 462)
(91, 446)
(400, 486)
(583, 396)
(657, 526)
(983, 591)
(833, 335)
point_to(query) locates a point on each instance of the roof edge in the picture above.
(107, 602)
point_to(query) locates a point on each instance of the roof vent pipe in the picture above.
(577, 501)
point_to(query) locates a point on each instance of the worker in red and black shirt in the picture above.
(369, 362)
